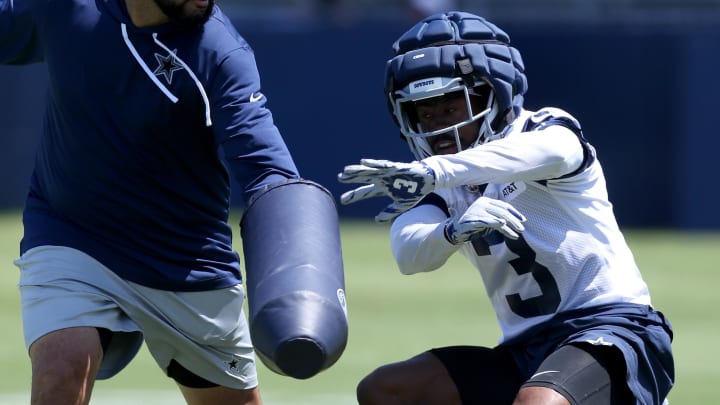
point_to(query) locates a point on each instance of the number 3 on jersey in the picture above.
(544, 304)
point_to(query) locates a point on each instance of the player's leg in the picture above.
(66, 323)
(540, 395)
(420, 379)
(579, 374)
(64, 366)
(450, 375)
(64, 290)
(202, 341)
(221, 395)
(198, 390)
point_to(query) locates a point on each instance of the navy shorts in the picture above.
(622, 344)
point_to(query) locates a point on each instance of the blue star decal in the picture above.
(232, 364)
(167, 65)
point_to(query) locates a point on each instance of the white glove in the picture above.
(482, 217)
(405, 183)
(392, 211)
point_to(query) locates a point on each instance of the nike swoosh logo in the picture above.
(544, 372)
(255, 97)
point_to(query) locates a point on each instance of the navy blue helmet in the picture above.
(455, 52)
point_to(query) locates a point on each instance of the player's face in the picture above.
(186, 11)
(441, 112)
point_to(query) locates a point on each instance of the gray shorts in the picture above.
(206, 331)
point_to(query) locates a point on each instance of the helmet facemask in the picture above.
(477, 107)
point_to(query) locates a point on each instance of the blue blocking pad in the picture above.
(294, 278)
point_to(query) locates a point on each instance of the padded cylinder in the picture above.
(294, 278)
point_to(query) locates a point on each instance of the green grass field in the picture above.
(394, 316)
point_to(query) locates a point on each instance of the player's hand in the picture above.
(405, 183)
(392, 211)
(482, 217)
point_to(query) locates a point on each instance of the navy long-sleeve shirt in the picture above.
(142, 130)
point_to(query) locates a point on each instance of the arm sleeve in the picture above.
(252, 145)
(418, 242)
(19, 36)
(525, 156)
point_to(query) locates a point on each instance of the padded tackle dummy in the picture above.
(294, 278)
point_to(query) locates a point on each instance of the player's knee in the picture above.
(539, 395)
(374, 389)
(60, 376)
(364, 391)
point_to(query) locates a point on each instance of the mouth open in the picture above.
(444, 146)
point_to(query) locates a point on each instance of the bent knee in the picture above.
(407, 381)
(539, 395)
(370, 389)
(385, 385)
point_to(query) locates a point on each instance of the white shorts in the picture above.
(206, 331)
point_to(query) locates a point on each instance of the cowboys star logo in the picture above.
(233, 365)
(167, 65)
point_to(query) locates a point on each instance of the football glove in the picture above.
(405, 183)
(482, 217)
(392, 211)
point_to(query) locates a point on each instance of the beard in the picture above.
(178, 14)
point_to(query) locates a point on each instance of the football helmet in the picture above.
(455, 52)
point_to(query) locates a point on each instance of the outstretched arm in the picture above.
(526, 156)
(537, 155)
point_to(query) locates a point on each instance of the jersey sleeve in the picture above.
(252, 145)
(533, 153)
(19, 34)
(417, 240)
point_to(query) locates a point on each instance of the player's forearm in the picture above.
(418, 242)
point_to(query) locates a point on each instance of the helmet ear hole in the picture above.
(480, 95)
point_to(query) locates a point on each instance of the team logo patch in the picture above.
(167, 65)
(511, 190)
(233, 366)
(599, 342)
(423, 85)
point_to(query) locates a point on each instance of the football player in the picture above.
(521, 194)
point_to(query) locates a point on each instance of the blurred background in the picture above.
(640, 75)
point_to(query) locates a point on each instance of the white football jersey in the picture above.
(571, 255)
